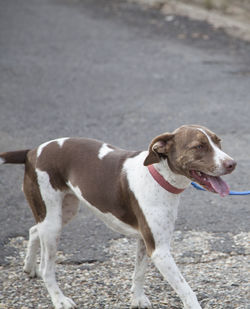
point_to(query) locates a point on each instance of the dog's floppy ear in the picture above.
(159, 146)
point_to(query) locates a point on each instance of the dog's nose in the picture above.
(229, 165)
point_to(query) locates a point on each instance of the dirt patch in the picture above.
(231, 15)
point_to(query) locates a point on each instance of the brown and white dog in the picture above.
(135, 193)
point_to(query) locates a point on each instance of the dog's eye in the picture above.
(199, 147)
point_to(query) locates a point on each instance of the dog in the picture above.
(134, 192)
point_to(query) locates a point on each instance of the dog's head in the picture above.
(195, 152)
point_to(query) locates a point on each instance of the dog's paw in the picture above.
(141, 302)
(31, 270)
(64, 303)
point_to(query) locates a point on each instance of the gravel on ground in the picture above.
(216, 265)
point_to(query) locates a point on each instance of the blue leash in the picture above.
(196, 186)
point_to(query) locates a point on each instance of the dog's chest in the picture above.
(159, 206)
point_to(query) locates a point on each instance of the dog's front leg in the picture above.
(164, 261)
(139, 299)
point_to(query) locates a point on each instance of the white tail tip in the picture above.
(2, 161)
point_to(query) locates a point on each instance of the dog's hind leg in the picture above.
(139, 299)
(33, 196)
(49, 232)
(30, 265)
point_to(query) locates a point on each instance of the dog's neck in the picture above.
(176, 180)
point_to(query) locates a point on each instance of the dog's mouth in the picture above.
(213, 184)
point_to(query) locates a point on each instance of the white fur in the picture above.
(2, 161)
(160, 209)
(110, 220)
(219, 155)
(104, 150)
(60, 142)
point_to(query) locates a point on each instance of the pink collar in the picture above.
(162, 181)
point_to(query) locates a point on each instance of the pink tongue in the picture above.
(219, 185)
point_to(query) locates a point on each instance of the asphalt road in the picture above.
(112, 71)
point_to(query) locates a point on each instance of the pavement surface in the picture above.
(123, 74)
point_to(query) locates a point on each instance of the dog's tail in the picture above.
(14, 157)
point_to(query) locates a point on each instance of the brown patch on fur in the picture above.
(31, 188)
(101, 182)
(77, 161)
